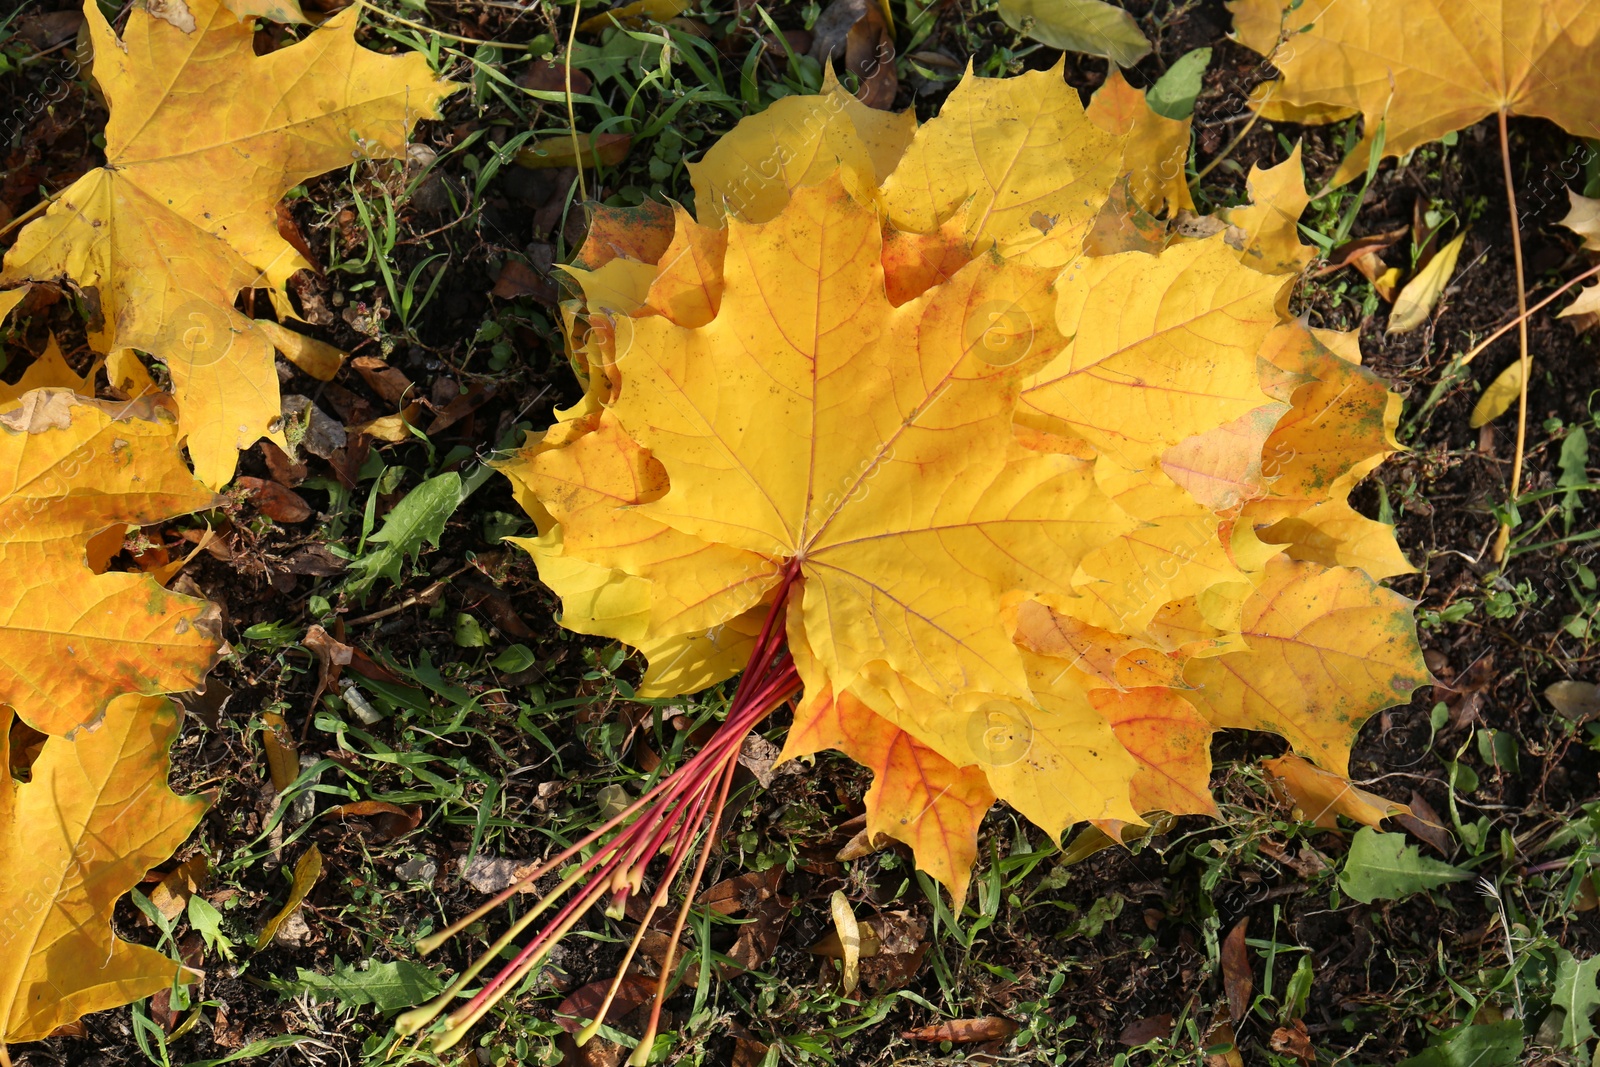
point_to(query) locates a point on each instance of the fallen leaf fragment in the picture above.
(1320, 796)
(844, 924)
(1497, 399)
(276, 502)
(306, 872)
(1092, 27)
(1582, 218)
(965, 1031)
(390, 383)
(583, 1003)
(634, 15)
(71, 640)
(96, 815)
(585, 150)
(171, 895)
(283, 755)
(1416, 301)
(1294, 1041)
(1578, 701)
(181, 218)
(317, 358)
(1237, 981)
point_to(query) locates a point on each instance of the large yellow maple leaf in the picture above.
(204, 138)
(72, 639)
(1022, 490)
(95, 815)
(1425, 68)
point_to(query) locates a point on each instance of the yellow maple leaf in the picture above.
(786, 423)
(986, 459)
(799, 140)
(94, 817)
(1163, 347)
(71, 639)
(1136, 689)
(1328, 648)
(1266, 231)
(49, 371)
(1022, 159)
(182, 216)
(1436, 67)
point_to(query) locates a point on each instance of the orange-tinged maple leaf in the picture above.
(1328, 648)
(1425, 69)
(94, 817)
(182, 217)
(917, 797)
(1321, 797)
(1340, 426)
(71, 639)
(1155, 150)
(1134, 687)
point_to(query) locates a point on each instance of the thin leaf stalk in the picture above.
(667, 819)
(1525, 358)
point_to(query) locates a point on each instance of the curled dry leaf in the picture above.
(1237, 981)
(277, 502)
(306, 872)
(1421, 294)
(1320, 797)
(965, 1031)
(585, 150)
(182, 216)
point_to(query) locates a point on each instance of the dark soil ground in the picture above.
(503, 756)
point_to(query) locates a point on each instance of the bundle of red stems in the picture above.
(667, 819)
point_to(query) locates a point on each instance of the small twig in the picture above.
(411, 601)
(1255, 116)
(1540, 306)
